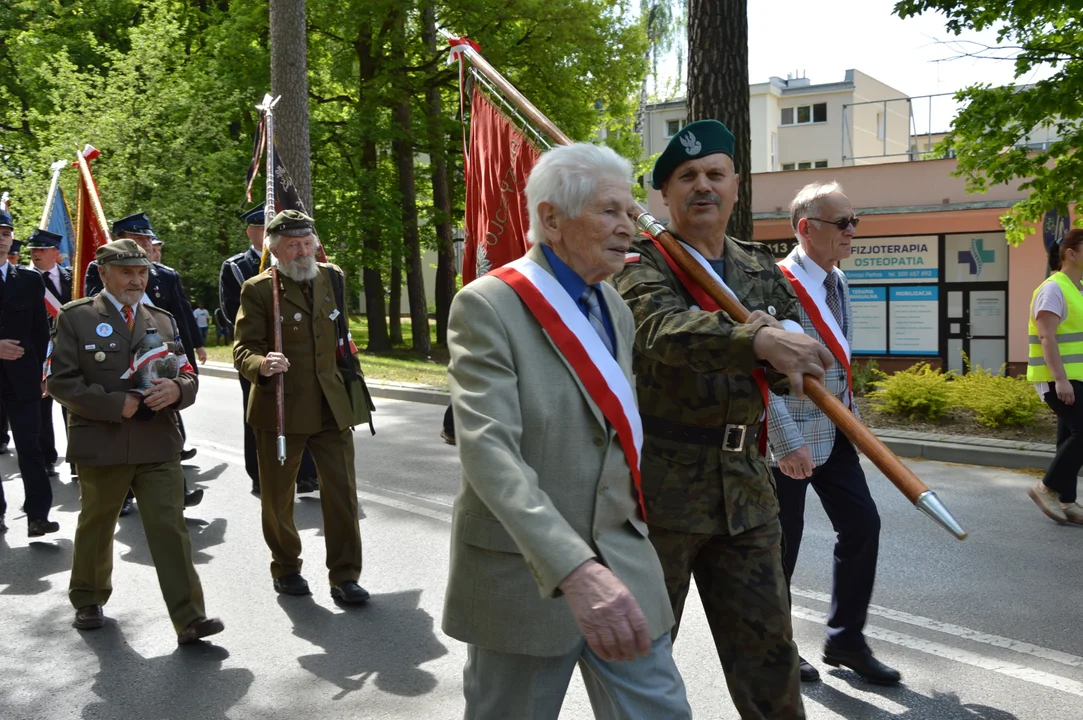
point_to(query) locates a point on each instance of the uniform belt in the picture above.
(731, 438)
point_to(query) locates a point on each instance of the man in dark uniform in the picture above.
(24, 341)
(44, 249)
(701, 385)
(164, 290)
(235, 270)
(125, 439)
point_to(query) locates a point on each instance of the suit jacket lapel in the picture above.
(112, 316)
(322, 296)
(291, 292)
(535, 253)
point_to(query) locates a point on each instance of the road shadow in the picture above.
(942, 706)
(27, 568)
(204, 535)
(187, 683)
(194, 476)
(386, 641)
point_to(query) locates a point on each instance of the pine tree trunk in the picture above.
(289, 78)
(402, 149)
(718, 87)
(395, 299)
(441, 195)
(375, 300)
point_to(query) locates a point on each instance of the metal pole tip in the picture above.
(930, 504)
(281, 450)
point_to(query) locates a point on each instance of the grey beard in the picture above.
(301, 269)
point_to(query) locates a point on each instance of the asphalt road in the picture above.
(988, 628)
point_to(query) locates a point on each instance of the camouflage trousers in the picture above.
(743, 589)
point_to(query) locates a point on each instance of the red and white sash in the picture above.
(52, 304)
(706, 302)
(821, 316)
(580, 345)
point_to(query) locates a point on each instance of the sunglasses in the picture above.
(840, 224)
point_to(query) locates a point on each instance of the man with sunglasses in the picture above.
(807, 449)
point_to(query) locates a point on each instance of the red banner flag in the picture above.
(500, 160)
(89, 234)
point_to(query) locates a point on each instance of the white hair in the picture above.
(808, 199)
(567, 177)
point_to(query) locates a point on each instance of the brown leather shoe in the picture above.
(1048, 501)
(200, 628)
(89, 617)
(1074, 513)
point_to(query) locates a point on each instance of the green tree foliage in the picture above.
(166, 90)
(986, 136)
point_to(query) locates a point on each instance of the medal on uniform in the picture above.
(297, 317)
(104, 330)
(770, 309)
(99, 356)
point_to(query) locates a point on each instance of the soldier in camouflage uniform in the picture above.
(710, 498)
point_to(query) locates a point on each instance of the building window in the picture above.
(673, 127)
(881, 126)
(787, 166)
(804, 166)
(820, 164)
(804, 114)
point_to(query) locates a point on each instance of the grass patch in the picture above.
(399, 365)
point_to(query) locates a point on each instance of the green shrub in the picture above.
(917, 392)
(864, 375)
(995, 399)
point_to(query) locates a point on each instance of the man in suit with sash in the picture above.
(550, 562)
(44, 249)
(807, 449)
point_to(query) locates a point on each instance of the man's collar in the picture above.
(568, 278)
(116, 303)
(815, 272)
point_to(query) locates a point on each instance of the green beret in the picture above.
(288, 220)
(121, 252)
(694, 141)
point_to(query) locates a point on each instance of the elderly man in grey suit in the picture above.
(550, 562)
(807, 449)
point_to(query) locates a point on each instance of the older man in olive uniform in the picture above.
(701, 385)
(318, 411)
(121, 438)
(235, 270)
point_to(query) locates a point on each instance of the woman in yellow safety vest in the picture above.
(1055, 367)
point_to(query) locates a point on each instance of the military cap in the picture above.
(16, 246)
(43, 240)
(121, 252)
(253, 216)
(694, 141)
(5, 219)
(157, 242)
(137, 224)
(291, 222)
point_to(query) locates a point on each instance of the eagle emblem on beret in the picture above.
(691, 145)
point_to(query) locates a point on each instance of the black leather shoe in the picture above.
(255, 490)
(864, 664)
(37, 528)
(126, 508)
(199, 628)
(292, 584)
(3, 448)
(808, 672)
(188, 454)
(89, 617)
(193, 498)
(349, 592)
(307, 485)
(3, 525)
